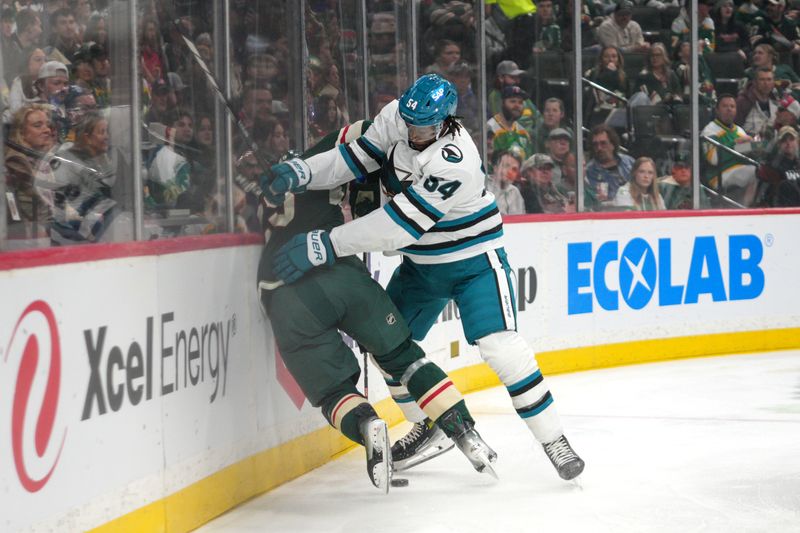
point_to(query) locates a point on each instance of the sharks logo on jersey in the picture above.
(451, 153)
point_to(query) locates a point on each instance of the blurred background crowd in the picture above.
(74, 87)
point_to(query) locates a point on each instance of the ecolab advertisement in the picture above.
(125, 380)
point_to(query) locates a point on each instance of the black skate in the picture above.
(468, 441)
(379, 457)
(422, 443)
(567, 463)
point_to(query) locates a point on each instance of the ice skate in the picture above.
(567, 463)
(469, 441)
(379, 457)
(422, 443)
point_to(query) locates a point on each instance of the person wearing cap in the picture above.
(504, 127)
(101, 85)
(558, 144)
(738, 178)
(508, 73)
(502, 182)
(781, 165)
(777, 29)
(541, 195)
(619, 30)
(162, 105)
(676, 189)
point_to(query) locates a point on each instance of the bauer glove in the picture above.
(302, 253)
(290, 176)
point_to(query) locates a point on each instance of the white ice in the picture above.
(710, 444)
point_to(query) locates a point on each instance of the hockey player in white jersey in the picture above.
(438, 214)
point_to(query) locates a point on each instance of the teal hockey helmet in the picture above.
(429, 101)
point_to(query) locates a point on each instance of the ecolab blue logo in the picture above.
(642, 271)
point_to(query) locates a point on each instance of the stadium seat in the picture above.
(727, 68)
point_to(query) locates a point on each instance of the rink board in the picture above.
(140, 389)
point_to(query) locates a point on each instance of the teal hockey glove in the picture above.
(302, 253)
(290, 176)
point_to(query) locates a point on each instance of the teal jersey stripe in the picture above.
(400, 222)
(460, 246)
(524, 382)
(377, 153)
(538, 410)
(468, 218)
(350, 163)
(435, 213)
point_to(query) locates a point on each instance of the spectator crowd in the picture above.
(69, 179)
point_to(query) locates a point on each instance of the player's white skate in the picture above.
(567, 463)
(424, 442)
(469, 442)
(379, 456)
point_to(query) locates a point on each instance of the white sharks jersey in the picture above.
(435, 207)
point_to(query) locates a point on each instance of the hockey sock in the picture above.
(512, 359)
(434, 391)
(345, 412)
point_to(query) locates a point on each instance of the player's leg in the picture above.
(488, 314)
(373, 320)
(326, 371)
(420, 310)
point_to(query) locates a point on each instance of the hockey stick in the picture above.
(212, 81)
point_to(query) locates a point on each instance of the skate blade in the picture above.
(486, 467)
(382, 472)
(427, 455)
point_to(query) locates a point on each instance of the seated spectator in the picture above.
(65, 37)
(641, 193)
(553, 118)
(327, 118)
(681, 26)
(101, 65)
(51, 86)
(150, 52)
(608, 170)
(81, 68)
(657, 82)
(273, 139)
(683, 70)
(676, 189)
(738, 179)
(168, 170)
(765, 56)
(460, 74)
(558, 146)
(777, 29)
(757, 105)
(7, 16)
(256, 105)
(77, 103)
(547, 31)
(620, 31)
(162, 104)
(782, 164)
(29, 203)
(26, 37)
(84, 201)
(541, 195)
(23, 88)
(504, 126)
(501, 183)
(730, 35)
(610, 74)
(446, 54)
(507, 75)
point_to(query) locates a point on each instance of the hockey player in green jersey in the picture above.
(306, 318)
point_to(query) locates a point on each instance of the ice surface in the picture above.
(709, 444)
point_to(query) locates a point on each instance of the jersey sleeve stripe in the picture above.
(442, 248)
(353, 163)
(465, 222)
(424, 207)
(402, 220)
(371, 150)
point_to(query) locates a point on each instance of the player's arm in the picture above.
(354, 156)
(401, 222)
